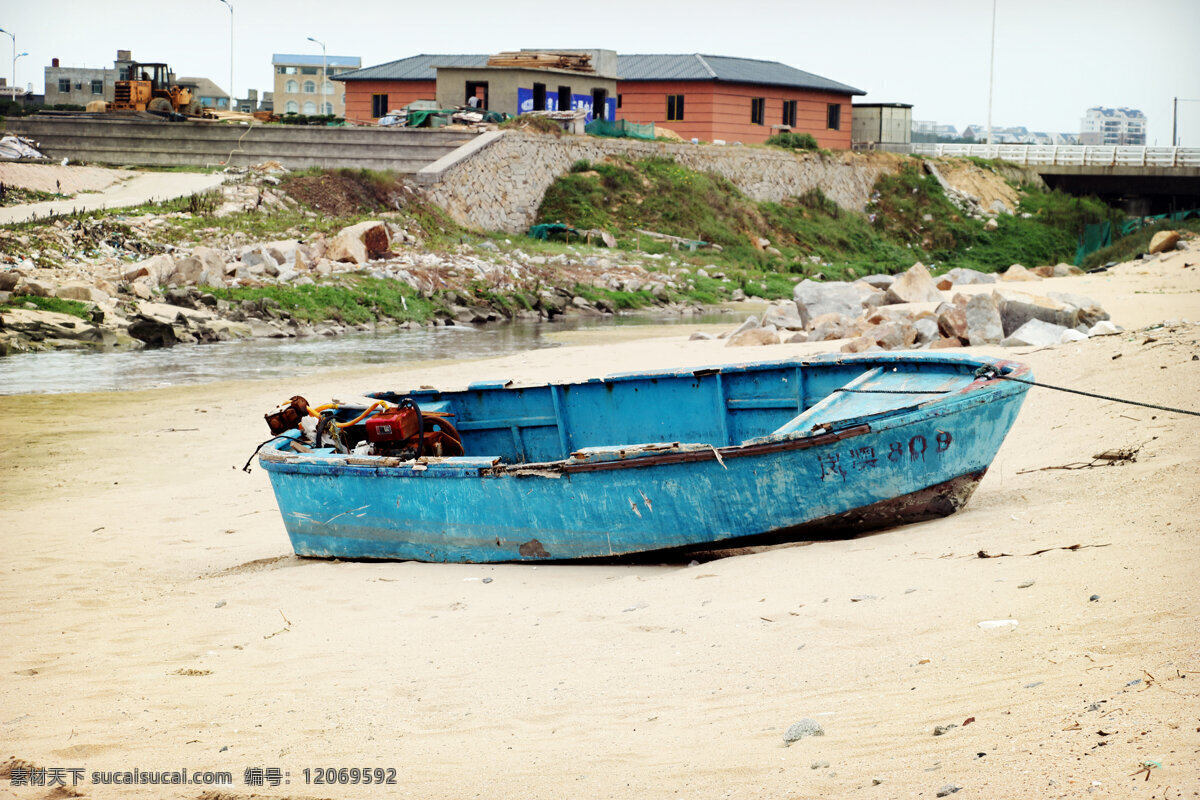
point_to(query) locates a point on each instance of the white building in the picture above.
(1113, 127)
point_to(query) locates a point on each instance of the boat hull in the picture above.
(902, 468)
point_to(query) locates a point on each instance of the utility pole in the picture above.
(232, 94)
(14, 60)
(991, 73)
(1175, 123)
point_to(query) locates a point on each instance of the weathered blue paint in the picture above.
(651, 461)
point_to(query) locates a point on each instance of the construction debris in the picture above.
(577, 62)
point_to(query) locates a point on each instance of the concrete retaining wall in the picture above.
(147, 142)
(498, 183)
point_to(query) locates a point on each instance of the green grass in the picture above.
(1129, 247)
(357, 299)
(72, 307)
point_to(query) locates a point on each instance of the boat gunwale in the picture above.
(979, 391)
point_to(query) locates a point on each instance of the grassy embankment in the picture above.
(909, 219)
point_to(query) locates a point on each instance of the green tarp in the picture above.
(620, 129)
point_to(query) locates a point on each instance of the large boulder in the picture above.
(814, 298)
(9, 279)
(360, 243)
(82, 291)
(952, 322)
(754, 337)
(1019, 273)
(34, 287)
(984, 324)
(914, 285)
(152, 271)
(960, 276)
(1036, 333)
(258, 261)
(831, 326)
(288, 253)
(881, 282)
(1164, 241)
(212, 272)
(784, 315)
(1090, 311)
(1017, 308)
(187, 272)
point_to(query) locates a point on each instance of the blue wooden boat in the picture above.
(632, 463)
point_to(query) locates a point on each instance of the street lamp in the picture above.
(14, 62)
(1175, 118)
(18, 55)
(324, 71)
(232, 94)
(991, 73)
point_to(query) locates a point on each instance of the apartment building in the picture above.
(303, 85)
(1113, 127)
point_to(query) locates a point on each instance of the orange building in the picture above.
(733, 99)
(697, 96)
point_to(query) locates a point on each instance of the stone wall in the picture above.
(500, 186)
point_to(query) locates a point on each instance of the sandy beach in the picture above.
(157, 620)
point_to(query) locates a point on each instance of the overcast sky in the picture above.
(1054, 58)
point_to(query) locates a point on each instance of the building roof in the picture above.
(674, 67)
(309, 60)
(699, 67)
(883, 105)
(202, 86)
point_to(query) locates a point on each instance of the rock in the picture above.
(963, 276)
(737, 296)
(949, 788)
(944, 343)
(187, 272)
(830, 326)
(1090, 311)
(9, 279)
(927, 330)
(42, 325)
(803, 728)
(991, 225)
(753, 337)
(1066, 270)
(81, 290)
(1017, 308)
(1104, 328)
(153, 269)
(1018, 273)
(814, 299)
(914, 285)
(359, 243)
(154, 332)
(700, 336)
(942, 730)
(259, 261)
(1164, 241)
(952, 322)
(288, 253)
(750, 324)
(34, 287)
(881, 282)
(893, 335)
(141, 289)
(784, 315)
(859, 344)
(1043, 272)
(984, 324)
(875, 299)
(1036, 333)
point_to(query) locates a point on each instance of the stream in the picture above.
(119, 370)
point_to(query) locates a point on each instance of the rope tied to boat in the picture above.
(988, 373)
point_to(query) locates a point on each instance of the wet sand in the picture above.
(155, 617)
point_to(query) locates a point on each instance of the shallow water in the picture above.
(85, 371)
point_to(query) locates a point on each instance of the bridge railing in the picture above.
(1069, 155)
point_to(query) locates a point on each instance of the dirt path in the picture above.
(142, 187)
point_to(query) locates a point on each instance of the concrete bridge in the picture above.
(1142, 180)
